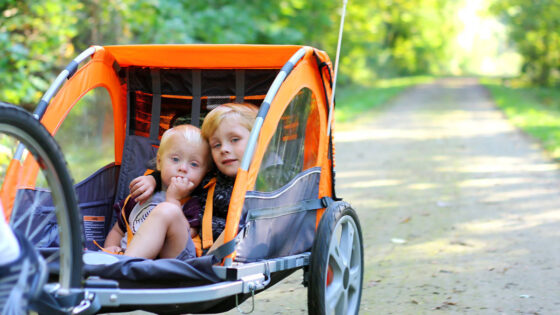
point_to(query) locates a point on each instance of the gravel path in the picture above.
(460, 211)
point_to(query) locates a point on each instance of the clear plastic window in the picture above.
(86, 136)
(293, 148)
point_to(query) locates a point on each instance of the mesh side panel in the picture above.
(95, 200)
(276, 224)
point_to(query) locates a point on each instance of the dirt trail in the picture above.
(460, 211)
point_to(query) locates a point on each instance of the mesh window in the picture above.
(87, 134)
(288, 152)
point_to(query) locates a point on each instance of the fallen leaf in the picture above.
(460, 243)
(445, 271)
(405, 220)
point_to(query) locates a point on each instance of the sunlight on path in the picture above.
(461, 209)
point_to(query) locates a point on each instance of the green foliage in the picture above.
(34, 39)
(398, 38)
(534, 27)
(536, 110)
(382, 38)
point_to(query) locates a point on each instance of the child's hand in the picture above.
(141, 188)
(178, 189)
(114, 249)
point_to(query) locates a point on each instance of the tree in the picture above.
(534, 27)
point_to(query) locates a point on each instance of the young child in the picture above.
(227, 129)
(159, 227)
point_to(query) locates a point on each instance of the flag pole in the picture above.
(331, 105)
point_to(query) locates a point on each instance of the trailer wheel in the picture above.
(336, 267)
(48, 215)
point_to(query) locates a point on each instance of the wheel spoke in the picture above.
(333, 295)
(24, 216)
(39, 228)
(355, 278)
(335, 260)
(53, 257)
(342, 305)
(347, 242)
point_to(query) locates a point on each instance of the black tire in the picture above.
(32, 219)
(335, 276)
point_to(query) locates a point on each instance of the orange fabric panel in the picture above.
(98, 72)
(203, 56)
(312, 136)
(29, 172)
(325, 184)
(9, 187)
(235, 207)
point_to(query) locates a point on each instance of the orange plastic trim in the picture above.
(204, 56)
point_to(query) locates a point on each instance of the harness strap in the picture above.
(129, 234)
(225, 249)
(107, 251)
(207, 238)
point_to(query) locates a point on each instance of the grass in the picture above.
(535, 110)
(354, 100)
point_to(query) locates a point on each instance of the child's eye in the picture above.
(194, 164)
(175, 159)
(216, 145)
(234, 140)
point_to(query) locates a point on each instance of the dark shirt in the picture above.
(222, 196)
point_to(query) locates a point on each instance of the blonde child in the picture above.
(227, 129)
(159, 226)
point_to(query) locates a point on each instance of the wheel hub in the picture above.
(346, 278)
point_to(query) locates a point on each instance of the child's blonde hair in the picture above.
(245, 112)
(190, 133)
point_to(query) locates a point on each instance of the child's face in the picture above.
(182, 158)
(228, 144)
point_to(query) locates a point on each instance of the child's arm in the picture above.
(113, 240)
(142, 187)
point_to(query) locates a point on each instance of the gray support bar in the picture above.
(156, 104)
(130, 125)
(239, 85)
(197, 91)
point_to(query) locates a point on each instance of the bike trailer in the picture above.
(284, 190)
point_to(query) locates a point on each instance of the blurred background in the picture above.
(383, 39)
(388, 45)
